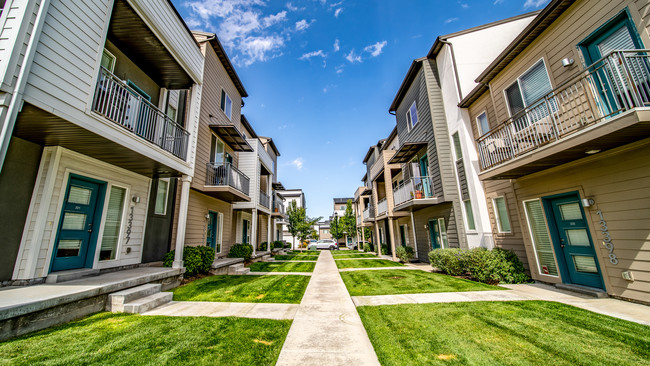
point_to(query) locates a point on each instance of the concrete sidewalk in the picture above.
(327, 329)
(219, 309)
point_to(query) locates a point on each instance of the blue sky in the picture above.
(321, 74)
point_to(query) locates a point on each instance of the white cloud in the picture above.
(376, 49)
(463, 5)
(298, 163)
(325, 90)
(273, 19)
(451, 20)
(309, 55)
(339, 69)
(259, 49)
(337, 45)
(496, 2)
(282, 127)
(337, 12)
(303, 24)
(353, 57)
(291, 7)
(534, 3)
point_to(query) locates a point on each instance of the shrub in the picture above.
(195, 260)
(262, 246)
(384, 249)
(278, 244)
(405, 254)
(243, 250)
(449, 261)
(369, 247)
(495, 266)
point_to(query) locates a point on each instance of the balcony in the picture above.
(278, 208)
(265, 158)
(382, 207)
(599, 109)
(265, 200)
(124, 106)
(381, 163)
(368, 214)
(226, 182)
(415, 193)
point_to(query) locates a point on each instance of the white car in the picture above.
(324, 244)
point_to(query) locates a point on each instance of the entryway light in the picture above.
(566, 62)
(591, 152)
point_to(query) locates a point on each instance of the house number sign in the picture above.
(607, 242)
(130, 224)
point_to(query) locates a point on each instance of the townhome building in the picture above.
(563, 143)
(437, 183)
(291, 195)
(99, 117)
(360, 204)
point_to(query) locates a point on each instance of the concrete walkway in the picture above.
(327, 329)
(220, 309)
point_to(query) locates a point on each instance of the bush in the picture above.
(384, 249)
(369, 247)
(405, 254)
(278, 244)
(243, 250)
(262, 246)
(195, 260)
(449, 261)
(495, 266)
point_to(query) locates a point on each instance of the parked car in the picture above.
(324, 244)
(352, 246)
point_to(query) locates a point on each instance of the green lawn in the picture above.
(282, 267)
(124, 339)
(355, 255)
(400, 281)
(296, 258)
(367, 263)
(502, 333)
(304, 252)
(274, 289)
(340, 252)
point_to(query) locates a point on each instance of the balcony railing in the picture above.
(618, 82)
(265, 199)
(382, 207)
(413, 189)
(123, 105)
(278, 207)
(367, 213)
(219, 174)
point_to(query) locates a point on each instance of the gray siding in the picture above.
(446, 211)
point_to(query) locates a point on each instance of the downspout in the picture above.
(453, 63)
(15, 105)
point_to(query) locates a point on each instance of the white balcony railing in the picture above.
(278, 207)
(413, 189)
(366, 213)
(123, 105)
(261, 153)
(382, 207)
(264, 199)
(226, 175)
(618, 82)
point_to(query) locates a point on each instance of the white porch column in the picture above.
(254, 231)
(182, 221)
(269, 234)
(415, 238)
(392, 238)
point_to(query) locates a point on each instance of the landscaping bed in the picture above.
(399, 281)
(266, 289)
(502, 333)
(296, 258)
(367, 263)
(125, 339)
(282, 267)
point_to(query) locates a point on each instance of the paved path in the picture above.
(327, 329)
(219, 309)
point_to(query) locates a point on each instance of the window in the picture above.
(226, 104)
(529, 87)
(482, 123)
(108, 61)
(469, 213)
(501, 213)
(443, 233)
(161, 196)
(541, 239)
(342, 207)
(412, 116)
(217, 151)
(457, 148)
(171, 112)
(113, 224)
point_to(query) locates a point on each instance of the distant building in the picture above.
(291, 195)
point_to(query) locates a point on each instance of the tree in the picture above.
(365, 233)
(299, 225)
(348, 221)
(336, 228)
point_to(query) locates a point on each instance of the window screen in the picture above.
(482, 122)
(535, 83)
(113, 223)
(502, 214)
(541, 239)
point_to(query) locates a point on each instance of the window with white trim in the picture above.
(112, 223)
(528, 88)
(162, 192)
(501, 214)
(458, 150)
(541, 239)
(226, 104)
(412, 116)
(108, 60)
(469, 215)
(482, 124)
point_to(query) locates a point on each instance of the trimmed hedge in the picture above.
(488, 266)
(384, 249)
(195, 260)
(241, 251)
(278, 244)
(405, 254)
(369, 247)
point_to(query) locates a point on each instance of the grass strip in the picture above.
(296, 258)
(367, 263)
(282, 267)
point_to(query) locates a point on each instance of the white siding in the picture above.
(14, 35)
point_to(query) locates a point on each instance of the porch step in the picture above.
(590, 291)
(238, 269)
(73, 274)
(147, 303)
(268, 258)
(117, 300)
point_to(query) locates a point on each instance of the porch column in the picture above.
(268, 234)
(378, 243)
(415, 238)
(392, 237)
(182, 221)
(254, 231)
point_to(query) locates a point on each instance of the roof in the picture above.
(225, 61)
(543, 20)
(342, 200)
(370, 150)
(278, 186)
(247, 125)
(272, 144)
(392, 135)
(408, 79)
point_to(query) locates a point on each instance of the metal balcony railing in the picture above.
(220, 174)
(382, 206)
(618, 82)
(121, 104)
(413, 189)
(278, 207)
(368, 213)
(265, 199)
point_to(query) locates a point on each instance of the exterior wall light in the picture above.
(566, 62)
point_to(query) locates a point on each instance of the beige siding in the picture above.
(199, 205)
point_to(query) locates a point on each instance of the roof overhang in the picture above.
(406, 152)
(406, 83)
(231, 136)
(278, 186)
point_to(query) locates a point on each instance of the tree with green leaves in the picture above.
(336, 229)
(299, 225)
(365, 233)
(348, 222)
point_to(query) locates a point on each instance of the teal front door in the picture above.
(434, 234)
(424, 173)
(211, 237)
(402, 235)
(77, 233)
(246, 231)
(572, 241)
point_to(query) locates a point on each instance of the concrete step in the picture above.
(268, 258)
(233, 269)
(147, 303)
(117, 300)
(589, 291)
(73, 274)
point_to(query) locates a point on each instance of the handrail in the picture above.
(123, 105)
(382, 206)
(225, 174)
(264, 199)
(413, 188)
